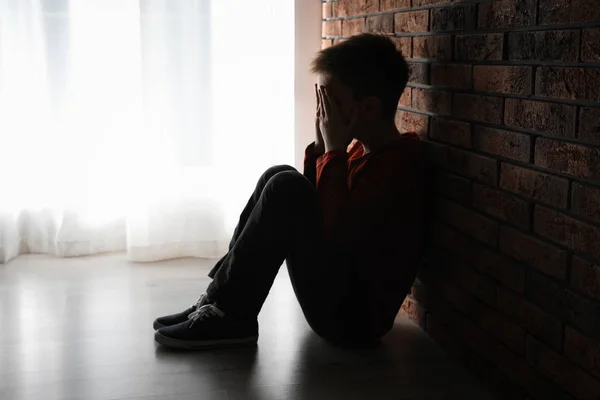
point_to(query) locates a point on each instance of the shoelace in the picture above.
(200, 301)
(204, 312)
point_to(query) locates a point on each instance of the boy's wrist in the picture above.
(318, 149)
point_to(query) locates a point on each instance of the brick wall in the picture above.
(506, 94)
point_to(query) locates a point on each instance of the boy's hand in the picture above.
(319, 143)
(337, 134)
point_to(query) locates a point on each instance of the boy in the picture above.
(350, 228)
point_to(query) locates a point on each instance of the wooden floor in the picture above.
(82, 329)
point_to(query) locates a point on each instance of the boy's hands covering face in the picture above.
(337, 133)
(319, 143)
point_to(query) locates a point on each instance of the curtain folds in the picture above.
(138, 125)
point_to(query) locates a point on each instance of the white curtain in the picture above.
(138, 125)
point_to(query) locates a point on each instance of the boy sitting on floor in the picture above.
(351, 227)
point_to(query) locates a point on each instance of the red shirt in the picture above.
(372, 207)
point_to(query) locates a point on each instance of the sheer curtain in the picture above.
(138, 125)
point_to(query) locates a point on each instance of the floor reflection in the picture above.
(81, 329)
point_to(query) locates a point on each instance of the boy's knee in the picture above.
(274, 170)
(291, 187)
(292, 181)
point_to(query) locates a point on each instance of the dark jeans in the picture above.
(280, 222)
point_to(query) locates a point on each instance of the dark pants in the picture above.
(280, 222)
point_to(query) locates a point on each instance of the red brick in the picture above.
(502, 79)
(456, 18)
(452, 132)
(507, 362)
(504, 387)
(589, 124)
(575, 234)
(484, 260)
(568, 83)
(418, 73)
(503, 143)
(413, 21)
(434, 304)
(535, 320)
(412, 122)
(434, 47)
(352, 27)
(585, 277)
(404, 44)
(452, 75)
(501, 205)
(535, 185)
(325, 43)
(414, 311)
(452, 186)
(507, 13)
(441, 335)
(500, 268)
(464, 163)
(392, 5)
(431, 100)
(332, 28)
(479, 47)
(544, 45)
(481, 369)
(564, 303)
(528, 250)
(583, 350)
(477, 108)
(562, 371)
(456, 296)
(349, 8)
(569, 158)
(452, 240)
(479, 285)
(327, 10)
(556, 119)
(406, 98)
(590, 46)
(586, 201)
(553, 12)
(469, 222)
(380, 23)
(499, 327)
(419, 3)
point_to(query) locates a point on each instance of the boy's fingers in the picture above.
(317, 95)
(318, 100)
(324, 109)
(326, 101)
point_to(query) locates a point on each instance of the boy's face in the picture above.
(340, 94)
(367, 109)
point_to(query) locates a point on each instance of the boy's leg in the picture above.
(284, 224)
(282, 220)
(260, 186)
(174, 319)
(284, 214)
(333, 302)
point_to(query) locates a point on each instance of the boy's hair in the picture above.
(370, 65)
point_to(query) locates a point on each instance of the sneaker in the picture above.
(208, 327)
(175, 319)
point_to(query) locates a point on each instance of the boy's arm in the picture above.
(311, 154)
(332, 186)
(381, 195)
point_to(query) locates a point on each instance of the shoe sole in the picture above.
(157, 325)
(206, 344)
